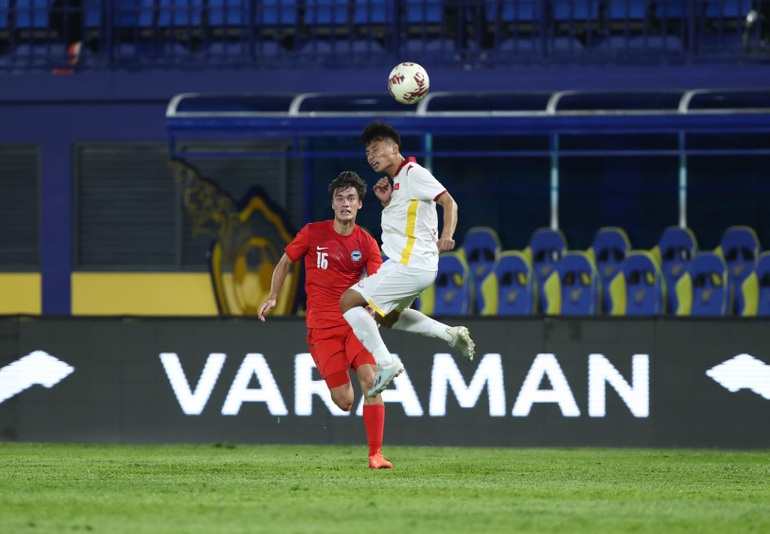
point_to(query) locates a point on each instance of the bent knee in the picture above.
(344, 404)
(389, 320)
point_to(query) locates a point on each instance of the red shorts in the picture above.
(336, 350)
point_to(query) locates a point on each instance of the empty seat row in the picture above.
(139, 13)
(330, 11)
(610, 277)
(316, 31)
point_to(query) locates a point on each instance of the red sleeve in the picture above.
(298, 246)
(375, 258)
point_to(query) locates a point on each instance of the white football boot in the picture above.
(461, 340)
(385, 373)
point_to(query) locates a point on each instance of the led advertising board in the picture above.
(671, 382)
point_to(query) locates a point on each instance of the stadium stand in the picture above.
(463, 32)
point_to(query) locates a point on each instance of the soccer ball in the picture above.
(408, 83)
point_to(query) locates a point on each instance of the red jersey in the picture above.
(333, 263)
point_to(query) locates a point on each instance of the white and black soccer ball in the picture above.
(408, 83)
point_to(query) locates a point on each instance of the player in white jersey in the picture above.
(411, 242)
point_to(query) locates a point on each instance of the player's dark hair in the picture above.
(379, 130)
(347, 179)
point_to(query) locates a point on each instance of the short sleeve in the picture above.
(299, 245)
(374, 261)
(423, 185)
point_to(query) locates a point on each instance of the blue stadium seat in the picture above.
(510, 288)
(628, 10)
(135, 14)
(226, 52)
(575, 10)
(561, 46)
(724, 9)
(544, 251)
(223, 13)
(376, 20)
(704, 290)
(762, 274)
(511, 12)
(92, 14)
(424, 12)
(333, 12)
(276, 13)
(180, 13)
(740, 249)
(31, 14)
(674, 9)
(5, 11)
(373, 12)
(325, 51)
(573, 286)
(608, 250)
(481, 249)
(452, 292)
(357, 48)
(639, 288)
(516, 46)
(415, 48)
(35, 55)
(454, 288)
(747, 293)
(675, 248)
(641, 46)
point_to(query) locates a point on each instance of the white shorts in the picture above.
(394, 286)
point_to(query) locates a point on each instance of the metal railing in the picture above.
(194, 34)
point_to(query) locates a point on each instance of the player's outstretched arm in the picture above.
(280, 273)
(446, 241)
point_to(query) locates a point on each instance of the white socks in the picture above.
(365, 329)
(418, 323)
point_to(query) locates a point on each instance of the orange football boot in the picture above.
(378, 461)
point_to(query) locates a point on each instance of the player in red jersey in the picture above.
(337, 253)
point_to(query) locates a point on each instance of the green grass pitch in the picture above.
(305, 489)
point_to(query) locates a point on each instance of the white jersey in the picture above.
(410, 221)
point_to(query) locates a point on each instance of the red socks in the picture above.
(374, 421)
